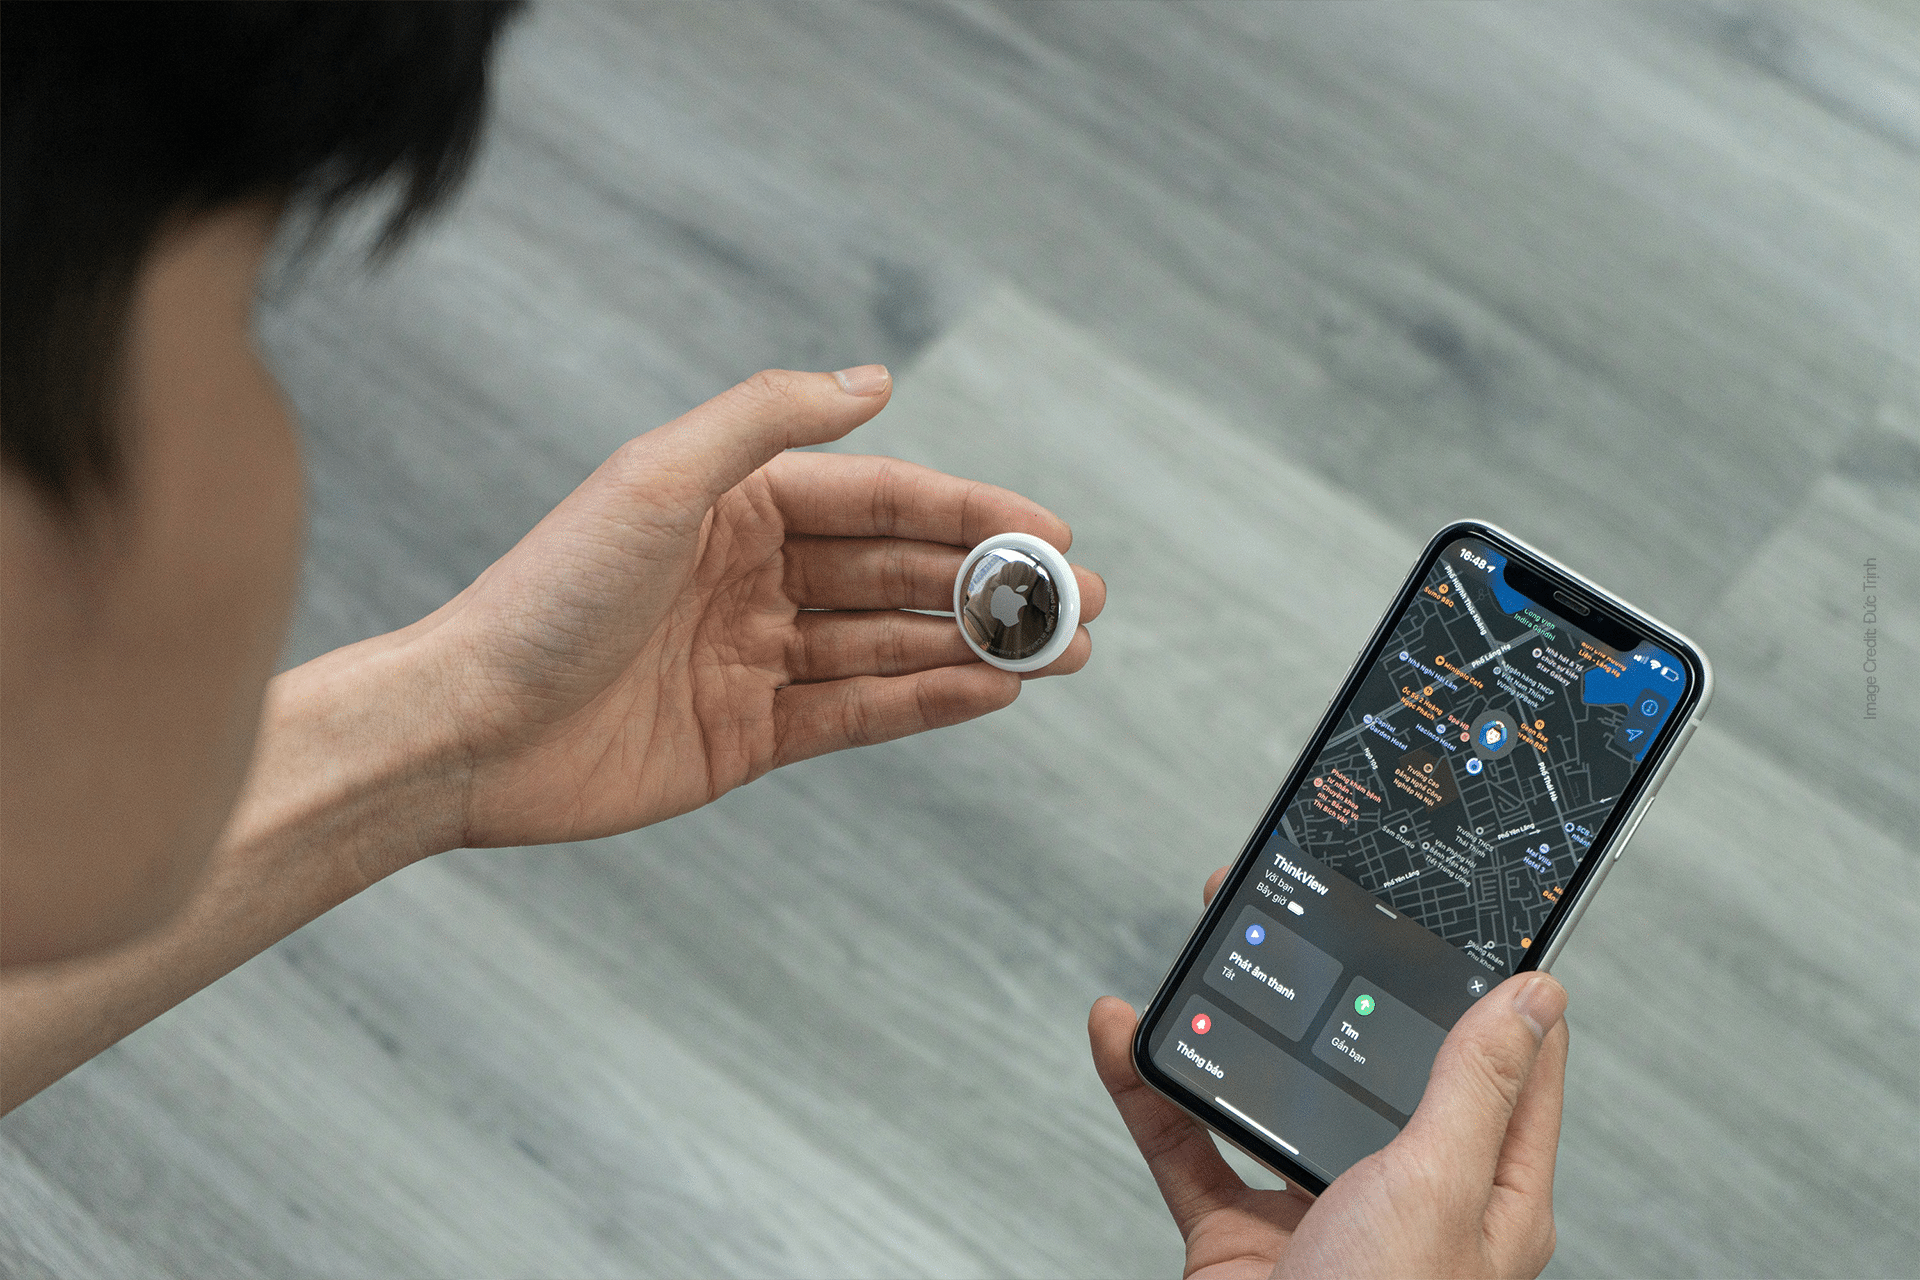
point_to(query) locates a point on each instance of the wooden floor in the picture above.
(1256, 296)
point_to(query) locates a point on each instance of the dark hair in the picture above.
(121, 117)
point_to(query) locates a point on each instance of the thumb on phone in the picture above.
(1491, 1113)
(1481, 1071)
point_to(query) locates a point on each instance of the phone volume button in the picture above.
(1666, 766)
(1632, 827)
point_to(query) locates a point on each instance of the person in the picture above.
(706, 606)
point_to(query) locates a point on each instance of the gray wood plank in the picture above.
(1790, 638)
(48, 1231)
(1742, 1096)
(1521, 236)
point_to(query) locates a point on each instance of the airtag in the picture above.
(1016, 602)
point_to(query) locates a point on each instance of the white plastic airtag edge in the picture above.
(1066, 587)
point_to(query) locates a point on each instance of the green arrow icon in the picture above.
(1363, 1004)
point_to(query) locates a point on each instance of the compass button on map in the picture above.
(1646, 711)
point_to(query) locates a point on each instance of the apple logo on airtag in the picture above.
(1007, 604)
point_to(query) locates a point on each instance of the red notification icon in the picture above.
(1202, 1024)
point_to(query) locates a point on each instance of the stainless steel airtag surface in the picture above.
(1016, 602)
(1010, 606)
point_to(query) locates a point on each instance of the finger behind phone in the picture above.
(1192, 1176)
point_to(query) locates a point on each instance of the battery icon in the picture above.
(1296, 908)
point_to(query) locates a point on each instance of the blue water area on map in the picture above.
(1647, 706)
(1604, 688)
(1648, 687)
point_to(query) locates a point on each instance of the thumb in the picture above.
(712, 448)
(1479, 1071)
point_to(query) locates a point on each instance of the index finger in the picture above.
(1193, 1178)
(852, 496)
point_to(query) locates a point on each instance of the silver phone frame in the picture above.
(1629, 824)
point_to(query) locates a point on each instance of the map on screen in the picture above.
(1482, 754)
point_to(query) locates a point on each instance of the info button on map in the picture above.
(1645, 711)
(1282, 979)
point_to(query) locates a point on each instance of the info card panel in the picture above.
(1381, 1043)
(1283, 1100)
(1273, 973)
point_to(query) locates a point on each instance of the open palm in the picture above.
(706, 607)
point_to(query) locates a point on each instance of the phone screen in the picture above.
(1447, 811)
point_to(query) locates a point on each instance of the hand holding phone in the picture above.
(1484, 763)
(1465, 1189)
(1363, 1007)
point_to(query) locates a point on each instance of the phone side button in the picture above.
(1627, 835)
(1666, 766)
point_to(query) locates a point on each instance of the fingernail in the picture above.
(864, 380)
(1541, 1002)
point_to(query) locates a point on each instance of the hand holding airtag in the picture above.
(1016, 602)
